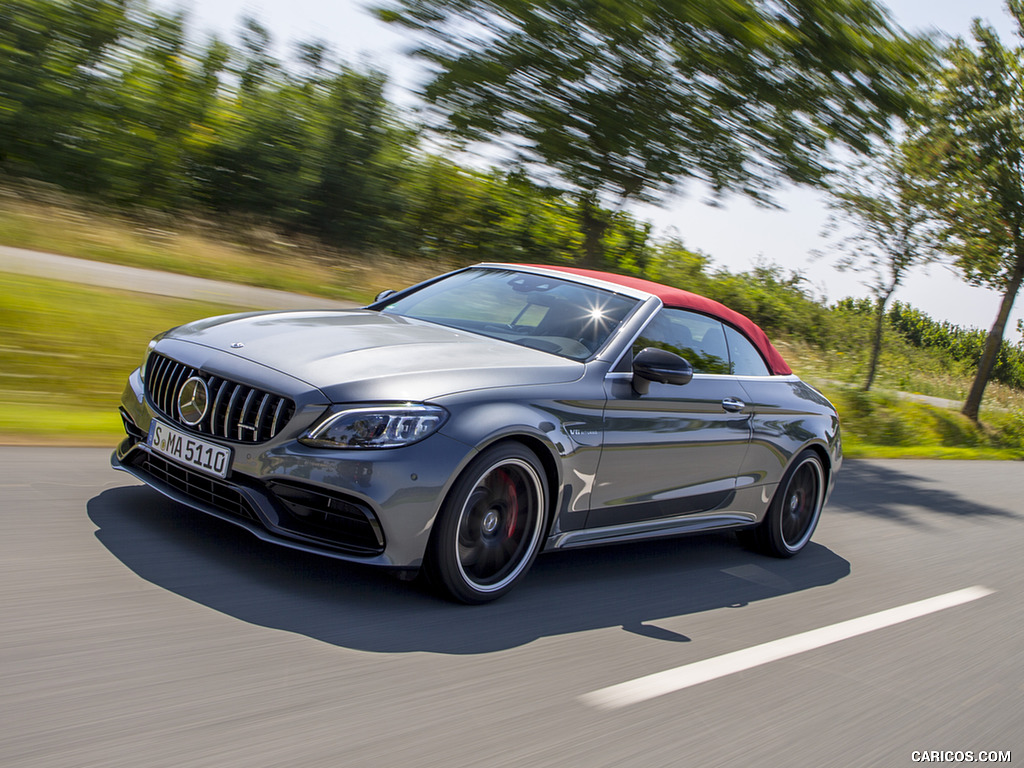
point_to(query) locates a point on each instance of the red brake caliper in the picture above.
(513, 504)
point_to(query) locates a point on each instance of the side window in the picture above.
(746, 360)
(698, 339)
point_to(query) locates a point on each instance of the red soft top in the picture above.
(680, 299)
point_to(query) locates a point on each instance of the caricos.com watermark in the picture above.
(960, 756)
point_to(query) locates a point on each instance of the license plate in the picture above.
(207, 457)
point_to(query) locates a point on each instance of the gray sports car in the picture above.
(460, 426)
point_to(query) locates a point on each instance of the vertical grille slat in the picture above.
(180, 379)
(236, 412)
(245, 410)
(229, 417)
(217, 405)
(166, 375)
(158, 374)
(260, 415)
(277, 416)
(155, 376)
(168, 394)
(212, 382)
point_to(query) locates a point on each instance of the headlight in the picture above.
(383, 426)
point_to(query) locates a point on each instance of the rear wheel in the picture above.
(489, 530)
(794, 512)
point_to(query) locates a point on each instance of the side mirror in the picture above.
(383, 295)
(651, 364)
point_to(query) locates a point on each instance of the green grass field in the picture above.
(66, 350)
(886, 425)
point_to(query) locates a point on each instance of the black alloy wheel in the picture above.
(795, 509)
(490, 528)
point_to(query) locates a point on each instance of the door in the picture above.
(677, 449)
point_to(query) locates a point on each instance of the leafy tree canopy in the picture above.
(49, 52)
(968, 149)
(970, 153)
(626, 98)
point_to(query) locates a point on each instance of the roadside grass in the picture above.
(853, 448)
(881, 424)
(45, 220)
(66, 351)
(33, 424)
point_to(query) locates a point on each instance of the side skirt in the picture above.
(651, 529)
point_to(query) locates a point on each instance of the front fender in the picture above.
(564, 434)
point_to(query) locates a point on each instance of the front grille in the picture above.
(197, 486)
(316, 513)
(234, 411)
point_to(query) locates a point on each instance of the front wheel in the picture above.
(794, 511)
(490, 527)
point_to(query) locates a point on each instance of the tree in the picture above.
(50, 81)
(884, 229)
(622, 100)
(161, 90)
(969, 159)
(257, 66)
(364, 160)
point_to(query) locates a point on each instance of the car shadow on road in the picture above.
(906, 495)
(225, 568)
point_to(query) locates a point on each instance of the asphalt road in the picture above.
(137, 633)
(51, 265)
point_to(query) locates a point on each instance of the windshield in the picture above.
(538, 311)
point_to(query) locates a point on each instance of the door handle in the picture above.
(733, 405)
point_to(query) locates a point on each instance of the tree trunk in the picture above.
(995, 338)
(876, 345)
(594, 227)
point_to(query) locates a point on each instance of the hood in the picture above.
(362, 355)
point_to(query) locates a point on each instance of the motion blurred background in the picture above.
(335, 149)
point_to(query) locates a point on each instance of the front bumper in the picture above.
(368, 506)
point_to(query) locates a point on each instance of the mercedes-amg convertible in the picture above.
(463, 425)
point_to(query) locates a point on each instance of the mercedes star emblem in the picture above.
(193, 400)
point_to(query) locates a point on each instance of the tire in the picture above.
(794, 511)
(490, 528)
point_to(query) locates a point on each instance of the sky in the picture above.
(736, 233)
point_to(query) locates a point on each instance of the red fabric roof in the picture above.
(680, 299)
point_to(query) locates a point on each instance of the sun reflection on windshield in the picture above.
(596, 316)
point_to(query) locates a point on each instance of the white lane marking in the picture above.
(660, 683)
